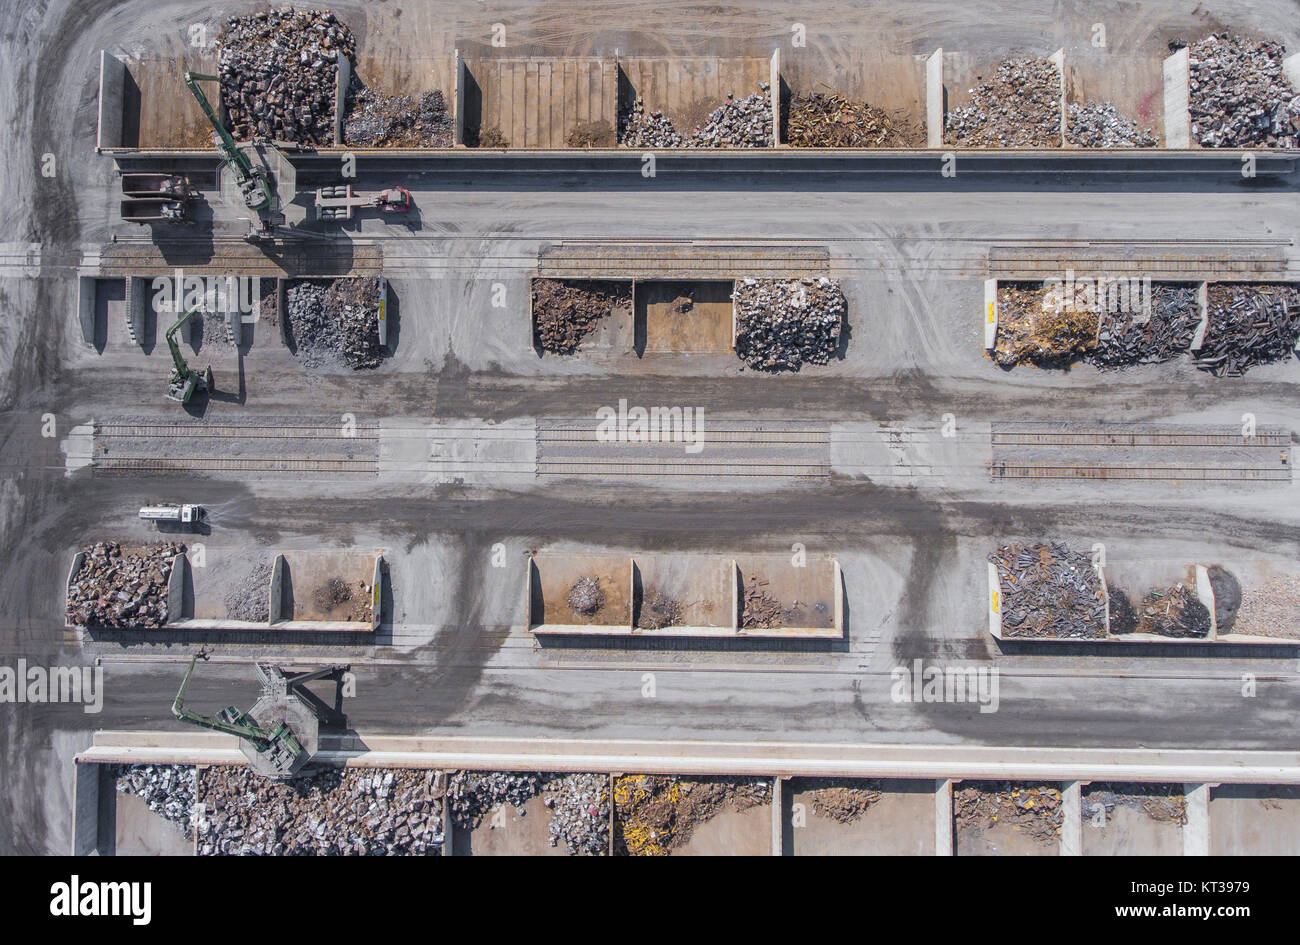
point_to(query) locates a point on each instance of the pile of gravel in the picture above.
(782, 325)
(1019, 108)
(168, 791)
(248, 600)
(1100, 125)
(278, 72)
(1240, 96)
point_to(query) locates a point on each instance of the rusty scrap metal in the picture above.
(816, 120)
(1249, 325)
(1049, 591)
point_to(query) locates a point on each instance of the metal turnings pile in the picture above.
(1100, 125)
(1135, 337)
(579, 804)
(329, 812)
(167, 790)
(1240, 96)
(736, 123)
(1050, 592)
(657, 814)
(336, 322)
(398, 121)
(1249, 325)
(279, 73)
(781, 325)
(658, 610)
(1034, 808)
(1174, 612)
(1036, 329)
(833, 121)
(119, 590)
(565, 311)
(1019, 108)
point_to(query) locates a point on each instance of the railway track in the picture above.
(292, 449)
(1171, 473)
(1271, 439)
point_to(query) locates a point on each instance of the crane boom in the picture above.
(251, 180)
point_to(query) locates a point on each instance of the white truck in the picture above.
(182, 514)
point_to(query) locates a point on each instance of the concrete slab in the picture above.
(900, 823)
(306, 595)
(732, 833)
(141, 832)
(1254, 820)
(1115, 822)
(699, 325)
(504, 832)
(555, 573)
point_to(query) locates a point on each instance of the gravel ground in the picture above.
(1270, 608)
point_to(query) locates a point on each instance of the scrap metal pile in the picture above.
(586, 597)
(658, 610)
(834, 121)
(1033, 809)
(782, 325)
(1249, 325)
(398, 121)
(1136, 337)
(118, 590)
(760, 610)
(1019, 108)
(1174, 612)
(329, 812)
(1160, 802)
(1049, 592)
(1240, 96)
(565, 311)
(167, 790)
(656, 814)
(1100, 125)
(579, 804)
(279, 72)
(842, 801)
(1037, 330)
(336, 322)
(736, 123)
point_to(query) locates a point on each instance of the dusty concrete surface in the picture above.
(504, 832)
(900, 823)
(909, 512)
(141, 832)
(1254, 820)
